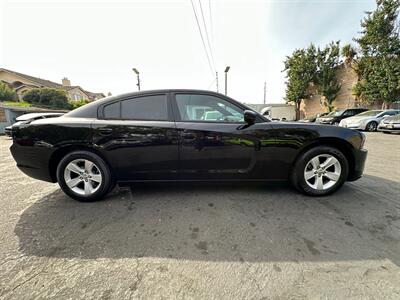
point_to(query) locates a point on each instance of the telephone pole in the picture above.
(265, 91)
(216, 76)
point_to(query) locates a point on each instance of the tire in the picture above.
(88, 186)
(303, 164)
(371, 126)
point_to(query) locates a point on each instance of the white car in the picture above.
(368, 120)
(390, 124)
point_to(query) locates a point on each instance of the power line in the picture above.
(202, 39)
(208, 39)
(212, 82)
(212, 29)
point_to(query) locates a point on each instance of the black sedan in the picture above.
(182, 135)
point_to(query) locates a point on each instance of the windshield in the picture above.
(336, 113)
(370, 113)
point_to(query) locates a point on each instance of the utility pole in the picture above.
(216, 76)
(226, 79)
(265, 91)
(138, 78)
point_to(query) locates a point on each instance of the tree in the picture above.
(379, 67)
(46, 97)
(79, 103)
(327, 60)
(349, 53)
(300, 71)
(6, 93)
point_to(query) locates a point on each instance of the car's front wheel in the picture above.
(84, 176)
(371, 126)
(320, 171)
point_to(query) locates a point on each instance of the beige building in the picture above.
(22, 83)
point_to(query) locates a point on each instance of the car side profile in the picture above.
(335, 117)
(182, 135)
(368, 120)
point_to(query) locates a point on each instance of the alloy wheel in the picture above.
(371, 126)
(83, 177)
(322, 172)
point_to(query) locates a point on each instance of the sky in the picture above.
(96, 43)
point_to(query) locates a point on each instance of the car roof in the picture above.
(90, 110)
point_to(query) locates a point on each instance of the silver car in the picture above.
(368, 120)
(390, 124)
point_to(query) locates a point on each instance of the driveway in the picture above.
(201, 241)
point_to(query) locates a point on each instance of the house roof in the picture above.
(51, 84)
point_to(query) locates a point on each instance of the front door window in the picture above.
(206, 108)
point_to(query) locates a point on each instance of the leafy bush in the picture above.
(6, 93)
(46, 97)
(79, 103)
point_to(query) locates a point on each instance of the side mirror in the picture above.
(250, 116)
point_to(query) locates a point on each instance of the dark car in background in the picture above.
(390, 124)
(313, 118)
(334, 118)
(27, 118)
(176, 135)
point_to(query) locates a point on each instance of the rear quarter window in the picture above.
(112, 111)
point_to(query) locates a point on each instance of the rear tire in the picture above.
(84, 176)
(320, 171)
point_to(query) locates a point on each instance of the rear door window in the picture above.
(152, 107)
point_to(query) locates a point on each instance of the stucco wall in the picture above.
(345, 99)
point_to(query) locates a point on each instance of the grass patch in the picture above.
(16, 103)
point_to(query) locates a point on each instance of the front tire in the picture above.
(371, 126)
(84, 176)
(320, 171)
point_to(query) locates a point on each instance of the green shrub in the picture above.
(46, 97)
(6, 93)
(79, 103)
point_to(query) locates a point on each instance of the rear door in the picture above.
(213, 141)
(138, 137)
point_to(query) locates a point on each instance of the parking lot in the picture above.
(197, 241)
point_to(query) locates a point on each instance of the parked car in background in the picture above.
(27, 118)
(165, 135)
(334, 118)
(367, 120)
(313, 118)
(390, 124)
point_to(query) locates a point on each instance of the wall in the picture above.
(345, 98)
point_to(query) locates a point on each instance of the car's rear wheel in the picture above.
(84, 176)
(320, 171)
(371, 126)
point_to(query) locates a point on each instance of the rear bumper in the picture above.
(33, 161)
(360, 156)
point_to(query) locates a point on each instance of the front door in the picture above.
(214, 143)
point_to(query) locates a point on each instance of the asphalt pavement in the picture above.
(204, 241)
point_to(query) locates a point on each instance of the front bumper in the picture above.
(360, 156)
(388, 127)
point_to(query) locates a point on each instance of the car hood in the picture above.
(357, 119)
